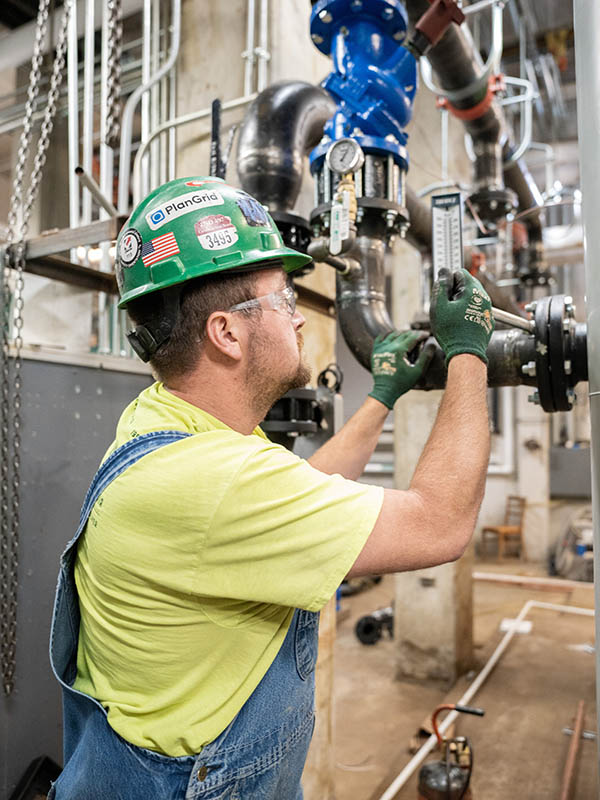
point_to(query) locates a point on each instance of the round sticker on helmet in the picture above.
(130, 247)
(216, 232)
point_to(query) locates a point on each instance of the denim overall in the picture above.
(259, 756)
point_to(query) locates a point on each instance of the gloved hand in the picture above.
(393, 374)
(461, 314)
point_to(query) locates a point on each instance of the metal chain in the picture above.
(12, 322)
(114, 25)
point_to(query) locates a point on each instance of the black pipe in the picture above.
(360, 299)
(281, 126)
(215, 140)
(507, 352)
(457, 67)
(419, 233)
(453, 61)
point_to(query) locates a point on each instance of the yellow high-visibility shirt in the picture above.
(190, 568)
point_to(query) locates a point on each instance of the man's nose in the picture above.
(298, 320)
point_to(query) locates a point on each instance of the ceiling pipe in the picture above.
(16, 47)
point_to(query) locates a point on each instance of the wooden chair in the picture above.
(511, 529)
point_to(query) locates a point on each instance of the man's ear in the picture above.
(227, 334)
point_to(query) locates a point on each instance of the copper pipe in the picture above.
(569, 772)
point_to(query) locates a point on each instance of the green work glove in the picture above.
(393, 374)
(461, 314)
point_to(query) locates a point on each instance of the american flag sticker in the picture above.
(158, 249)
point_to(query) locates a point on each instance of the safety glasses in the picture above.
(284, 301)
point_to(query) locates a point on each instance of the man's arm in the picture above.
(349, 451)
(432, 522)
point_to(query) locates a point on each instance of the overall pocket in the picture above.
(307, 642)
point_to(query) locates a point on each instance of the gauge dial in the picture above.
(344, 156)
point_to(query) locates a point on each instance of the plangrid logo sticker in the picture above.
(178, 206)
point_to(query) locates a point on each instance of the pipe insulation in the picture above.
(281, 127)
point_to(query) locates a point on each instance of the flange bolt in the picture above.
(534, 398)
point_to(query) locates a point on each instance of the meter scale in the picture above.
(446, 220)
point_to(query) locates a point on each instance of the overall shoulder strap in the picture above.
(66, 617)
(122, 458)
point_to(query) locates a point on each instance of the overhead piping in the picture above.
(270, 168)
(457, 65)
(280, 128)
(16, 47)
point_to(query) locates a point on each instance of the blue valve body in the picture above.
(374, 79)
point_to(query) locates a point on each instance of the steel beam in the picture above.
(105, 230)
(59, 269)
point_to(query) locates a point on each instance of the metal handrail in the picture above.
(128, 111)
(527, 98)
(194, 116)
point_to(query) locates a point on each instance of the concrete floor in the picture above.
(519, 747)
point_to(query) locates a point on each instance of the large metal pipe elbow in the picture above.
(280, 128)
(360, 299)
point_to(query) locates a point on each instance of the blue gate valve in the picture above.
(374, 78)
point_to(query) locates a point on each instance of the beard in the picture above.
(265, 382)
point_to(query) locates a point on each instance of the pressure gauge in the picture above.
(344, 156)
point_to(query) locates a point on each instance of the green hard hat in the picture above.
(192, 227)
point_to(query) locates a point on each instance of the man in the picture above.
(185, 627)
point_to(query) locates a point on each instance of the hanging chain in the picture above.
(12, 322)
(113, 63)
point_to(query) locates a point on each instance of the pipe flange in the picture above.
(296, 234)
(542, 354)
(493, 204)
(560, 353)
(328, 17)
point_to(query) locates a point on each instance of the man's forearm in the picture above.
(451, 472)
(349, 451)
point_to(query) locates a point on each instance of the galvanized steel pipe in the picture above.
(587, 65)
